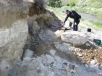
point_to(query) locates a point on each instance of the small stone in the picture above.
(71, 66)
(51, 64)
(88, 69)
(52, 52)
(28, 1)
(10, 72)
(65, 63)
(87, 44)
(28, 53)
(100, 74)
(93, 62)
(83, 62)
(38, 71)
(92, 57)
(98, 65)
(79, 54)
(101, 57)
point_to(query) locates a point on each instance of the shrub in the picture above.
(58, 3)
(54, 3)
(67, 4)
(72, 4)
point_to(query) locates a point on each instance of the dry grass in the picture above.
(88, 55)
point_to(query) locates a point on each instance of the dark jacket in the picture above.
(74, 15)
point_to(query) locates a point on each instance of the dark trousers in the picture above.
(75, 27)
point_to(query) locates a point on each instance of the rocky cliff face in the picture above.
(32, 45)
(24, 25)
(13, 28)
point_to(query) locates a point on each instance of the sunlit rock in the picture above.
(75, 38)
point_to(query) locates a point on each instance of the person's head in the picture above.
(67, 11)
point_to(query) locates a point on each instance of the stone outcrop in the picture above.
(25, 25)
(75, 38)
(28, 32)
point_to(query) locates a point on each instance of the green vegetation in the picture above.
(54, 3)
(93, 7)
(98, 6)
(94, 11)
(60, 13)
(98, 24)
(95, 3)
(71, 3)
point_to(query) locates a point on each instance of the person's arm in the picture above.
(66, 18)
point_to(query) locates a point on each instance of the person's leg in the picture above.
(75, 27)
(70, 24)
(77, 24)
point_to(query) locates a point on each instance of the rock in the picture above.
(4, 37)
(89, 69)
(100, 74)
(50, 59)
(61, 46)
(28, 1)
(79, 54)
(66, 24)
(93, 62)
(64, 47)
(52, 52)
(75, 38)
(87, 44)
(71, 68)
(28, 53)
(92, 35)
(58, 65)
(101, 44)
(13, 40)
(4, 65)
(38, 71)
(53, 23)
(10, 73)
(32, 25)
(92, 57)
(83, 62)
(49, 73)
(66, 67)
(47, 35)
(95, 65)
(59, 33)
(28, 59)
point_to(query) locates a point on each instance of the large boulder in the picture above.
(75, 38)
(13, 40)
(13, 28)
